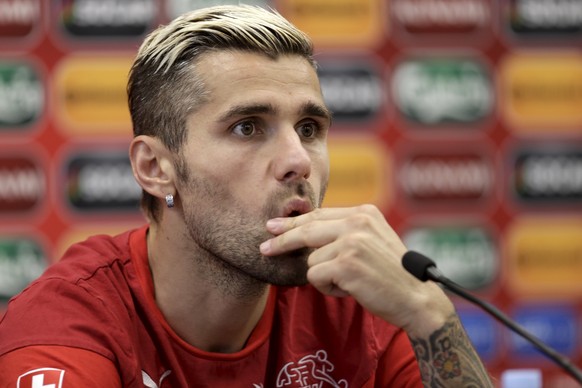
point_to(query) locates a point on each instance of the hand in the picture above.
(357, 253)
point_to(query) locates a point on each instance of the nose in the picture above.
(292, 160)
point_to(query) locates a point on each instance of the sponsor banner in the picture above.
(359, 172)
(482, 330)
(548, 174)
(106, 18)
(22, 184)
(544, 17)
(352, 89)
(430, 17)
(433, 177)
(466, 254)
(544, 257)
(91, 97)
(437, 91)
(21, 95)
(542, 92)
(22, 259)
(554, 325)
(100, 181)
(175, 8)
(19, 18)
(345, 23)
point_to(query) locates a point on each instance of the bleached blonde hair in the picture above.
(164, 87)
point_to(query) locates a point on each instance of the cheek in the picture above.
(320, 165)
(239, 186)
(320, 174)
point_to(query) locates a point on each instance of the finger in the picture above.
(282, 224)
(322, 278)
(312, 235)
(325, 253)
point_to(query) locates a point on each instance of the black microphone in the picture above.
(425, 269)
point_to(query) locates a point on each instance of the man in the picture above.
(240, 278)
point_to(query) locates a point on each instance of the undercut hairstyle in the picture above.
(164, 87)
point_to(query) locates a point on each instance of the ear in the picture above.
(152, 166)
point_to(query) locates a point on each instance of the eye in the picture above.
(245, 128)
(308, 130)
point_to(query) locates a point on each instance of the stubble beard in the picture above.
(228, 238)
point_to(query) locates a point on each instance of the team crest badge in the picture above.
(41, 378)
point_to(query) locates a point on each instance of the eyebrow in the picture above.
(247, 110)
(313, 109)
(307, 109)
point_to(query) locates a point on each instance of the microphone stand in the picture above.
(424, 269)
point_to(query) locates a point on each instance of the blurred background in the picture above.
(460, 119)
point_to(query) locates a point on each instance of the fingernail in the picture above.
(265, 246)
(274, 223)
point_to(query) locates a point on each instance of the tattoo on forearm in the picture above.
(449, 359)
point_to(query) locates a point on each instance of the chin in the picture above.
(289, 282)
(289, 270)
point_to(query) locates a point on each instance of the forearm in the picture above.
(447, 358)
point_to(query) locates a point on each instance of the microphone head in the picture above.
(417, 264)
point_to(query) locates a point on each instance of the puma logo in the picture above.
(150, 383)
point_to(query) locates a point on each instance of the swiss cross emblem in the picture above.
(42, 378)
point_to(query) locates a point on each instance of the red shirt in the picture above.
(91, 320)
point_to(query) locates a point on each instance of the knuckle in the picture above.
(291, 223)
(314, 214)
(348, 263)
(368, 209)
(353, 245)
(360, 220)
(352, 242)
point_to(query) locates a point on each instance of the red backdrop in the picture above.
(460, 119)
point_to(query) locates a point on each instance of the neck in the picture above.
(208, 303)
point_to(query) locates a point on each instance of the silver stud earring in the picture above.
(170, 200)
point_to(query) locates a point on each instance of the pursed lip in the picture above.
(297, 206)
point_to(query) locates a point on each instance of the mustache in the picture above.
(303, 190)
